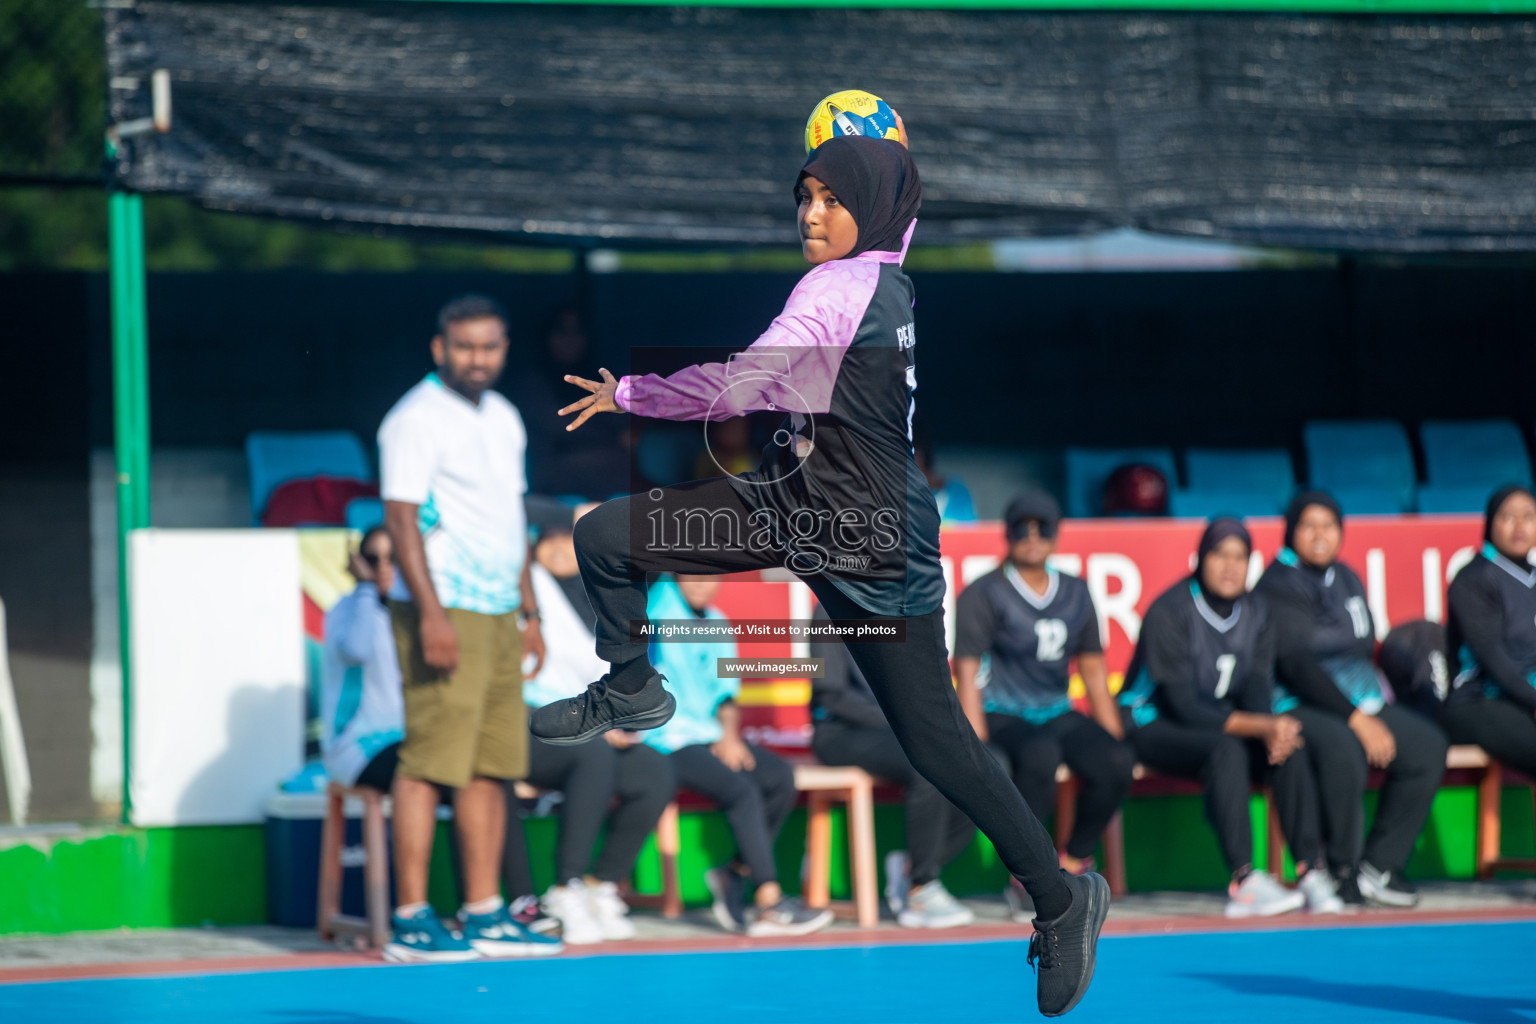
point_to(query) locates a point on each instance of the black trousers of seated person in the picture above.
(590, 776)
(1228, 767)
(756, 800)
(910, 680)
(937, 832)
(1101, 763)
(1412, 780)
(1504, 729)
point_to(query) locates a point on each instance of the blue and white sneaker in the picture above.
(498, 934)
(423, 938)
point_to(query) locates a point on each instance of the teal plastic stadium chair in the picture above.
(1088, 468)
(277, 456)
(1250, 471)
(1208, 504)
(1474, 454)
(1370, 458)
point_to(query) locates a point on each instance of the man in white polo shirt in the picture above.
(451, 459)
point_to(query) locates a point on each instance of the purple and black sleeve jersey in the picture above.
(838, 485)
(1025, 640)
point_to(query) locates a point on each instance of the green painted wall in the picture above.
(157, 878)
(133, 878)
(1169, 846)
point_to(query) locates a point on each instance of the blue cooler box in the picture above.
(293, 826)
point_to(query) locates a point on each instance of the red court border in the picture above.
(324, 960)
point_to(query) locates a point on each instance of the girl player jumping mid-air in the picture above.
(840, 502)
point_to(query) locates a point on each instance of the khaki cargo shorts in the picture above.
(470, 723)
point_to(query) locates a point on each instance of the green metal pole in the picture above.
(130, 420)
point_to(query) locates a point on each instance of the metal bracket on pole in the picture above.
(160, 112)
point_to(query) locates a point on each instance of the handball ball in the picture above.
(851, 112)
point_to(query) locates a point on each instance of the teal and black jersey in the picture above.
(1491, 636)
(1325, 637)
(1195, 666)
(1025, 640)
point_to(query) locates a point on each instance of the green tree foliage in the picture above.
(52, 87)
(52, 125)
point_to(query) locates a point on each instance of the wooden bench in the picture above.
(854, 788)
(1490, 787)
(824, 787)
(1485, 773)
(373, 930)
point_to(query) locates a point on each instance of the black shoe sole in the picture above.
(1098, 910)
(637, 723)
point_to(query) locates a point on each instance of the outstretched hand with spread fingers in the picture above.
(600, 400)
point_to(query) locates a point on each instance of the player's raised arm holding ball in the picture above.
(839, 501)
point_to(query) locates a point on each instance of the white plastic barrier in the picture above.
(217, 717)
(13, 750)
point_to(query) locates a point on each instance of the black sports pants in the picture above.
(1503, 728)
(937, 832)
(910, 680)
(590, 775)
(1412, 780)
(1228, 766)
(756, 800)
(1102, 764)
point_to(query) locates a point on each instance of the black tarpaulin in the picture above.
(631, 125)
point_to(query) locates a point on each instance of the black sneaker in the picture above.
(730, 892)
(578, 719)
(1063, 951)
(1389, 888)
(1349, 889)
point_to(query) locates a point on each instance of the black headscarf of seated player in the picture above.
(1219, 530)
(1302, 502)
(1496, 502)
(875, 180)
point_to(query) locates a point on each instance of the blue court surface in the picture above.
(1482, 973)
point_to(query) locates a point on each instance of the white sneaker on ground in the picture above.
(569, 903)
(1321, 894)
(1020, 907)
(932, 906)
(1389, 888)
(610, 911)
(789, 917)
(1261, 896)
(898, 879)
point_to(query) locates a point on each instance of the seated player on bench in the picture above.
(755, 788)
(1197, 705)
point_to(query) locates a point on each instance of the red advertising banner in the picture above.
(1405, 561)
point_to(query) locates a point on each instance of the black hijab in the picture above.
(1496, 502)
(1219, 530)
(1300, 504)
(876, 180)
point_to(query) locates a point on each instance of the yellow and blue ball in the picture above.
(850, 112)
